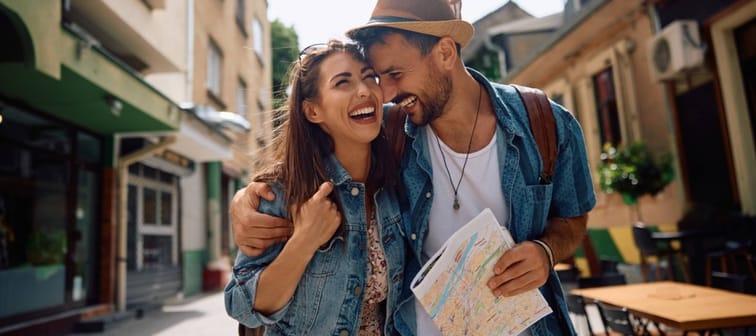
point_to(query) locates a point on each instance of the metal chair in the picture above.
(619, 320)
(738, 243)
(649, 247)
(727, 281)
(576, 306)
(612, 279)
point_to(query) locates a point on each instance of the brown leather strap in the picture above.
(543, 127)
(395, 131)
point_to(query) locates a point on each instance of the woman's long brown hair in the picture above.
(300, 146)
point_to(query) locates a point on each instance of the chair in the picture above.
(649, 247)
(608, 265)
(727, 281)
(576, 306)
(619, 320)
(569, 275)
(602, 280)
(738, 243)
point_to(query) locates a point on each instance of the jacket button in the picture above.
(344, 333)
(413, 236)
(428, 194)
(355, 192)
(357, 291)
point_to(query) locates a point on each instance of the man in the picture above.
(468, 147)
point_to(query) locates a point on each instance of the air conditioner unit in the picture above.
(675, 49)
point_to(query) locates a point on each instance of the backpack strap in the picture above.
(543, 127)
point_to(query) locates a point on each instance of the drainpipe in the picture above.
(189, 51)
(123, 171)
(501, 56)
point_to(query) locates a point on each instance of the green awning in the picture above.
(89, 83)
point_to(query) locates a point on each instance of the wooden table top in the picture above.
(679, 305)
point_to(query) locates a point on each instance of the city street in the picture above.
(201, 315)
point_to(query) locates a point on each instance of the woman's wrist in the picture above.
(302, 243)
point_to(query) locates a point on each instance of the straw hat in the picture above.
(430, 17)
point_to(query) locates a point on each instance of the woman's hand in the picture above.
(317, 220)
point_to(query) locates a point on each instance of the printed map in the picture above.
(451, 286)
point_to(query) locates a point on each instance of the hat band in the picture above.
(389, 19)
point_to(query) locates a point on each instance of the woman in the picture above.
(335, 275)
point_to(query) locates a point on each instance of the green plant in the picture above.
(633, 171)
(46, 248)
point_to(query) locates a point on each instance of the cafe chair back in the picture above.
(619, 320)
(576, 306)
(602, 280)
(728, 281)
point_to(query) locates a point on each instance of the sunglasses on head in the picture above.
(311, 49)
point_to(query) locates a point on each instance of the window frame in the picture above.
(155, 229)
(258, 38)
(616, 56)
(214, 53)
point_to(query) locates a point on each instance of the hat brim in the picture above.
(460, 31)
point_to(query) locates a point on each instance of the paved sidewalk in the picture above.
(201, 315)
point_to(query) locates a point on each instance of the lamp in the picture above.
(114, 105)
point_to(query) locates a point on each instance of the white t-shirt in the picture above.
(480, 188)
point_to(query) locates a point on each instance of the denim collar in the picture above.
(335, 170)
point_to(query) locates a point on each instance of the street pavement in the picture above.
(200, 315)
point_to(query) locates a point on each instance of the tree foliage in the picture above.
(285, 44)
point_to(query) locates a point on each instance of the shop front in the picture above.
(65, 104)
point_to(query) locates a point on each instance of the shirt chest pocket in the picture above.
(539, 197)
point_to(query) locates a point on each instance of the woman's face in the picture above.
(349, 104)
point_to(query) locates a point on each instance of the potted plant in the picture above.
(46, 248)
(633, 171)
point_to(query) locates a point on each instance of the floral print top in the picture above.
(376, 288)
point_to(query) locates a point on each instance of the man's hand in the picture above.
(520, 269)
(526, 266)
(254, 232)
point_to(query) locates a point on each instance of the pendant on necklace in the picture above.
(456, 203)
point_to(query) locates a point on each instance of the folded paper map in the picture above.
(452, 288)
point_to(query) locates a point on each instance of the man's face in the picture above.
(410, 79)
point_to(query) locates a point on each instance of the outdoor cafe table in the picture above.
(682, 306)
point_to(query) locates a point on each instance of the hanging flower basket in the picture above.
(633, 171)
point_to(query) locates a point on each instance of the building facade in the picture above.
(122, 145)
(674, 76)
(232, 72)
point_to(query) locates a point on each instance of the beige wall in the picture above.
(216, 20)
(130, 27)
(614, 36)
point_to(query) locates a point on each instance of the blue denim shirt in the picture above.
(529, 203)
(329, 297)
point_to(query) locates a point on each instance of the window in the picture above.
(152, 225)
(214, 68)
(49, 213)
(606, 107)
(240, 16)
(606, 103)
(241, 99)
(257, 38)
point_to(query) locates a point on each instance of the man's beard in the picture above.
(440, 89)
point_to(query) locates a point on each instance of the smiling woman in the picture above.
(331, 154)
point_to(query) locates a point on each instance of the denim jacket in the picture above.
(329, 297)
(529, 203)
